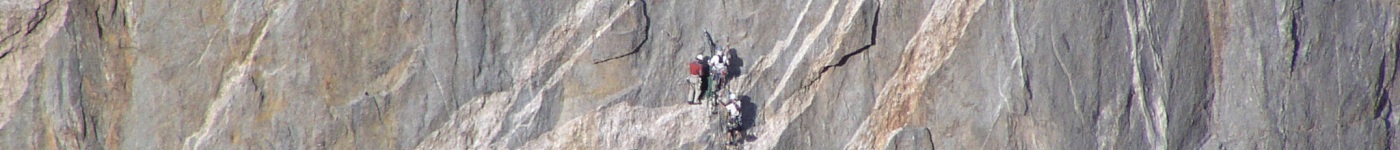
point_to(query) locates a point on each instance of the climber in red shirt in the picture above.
(697, 69)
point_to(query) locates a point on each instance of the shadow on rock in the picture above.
(749, 113)
(735, 64)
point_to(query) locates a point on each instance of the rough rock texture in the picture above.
(607, 74)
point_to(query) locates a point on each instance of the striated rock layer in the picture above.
(608, 74)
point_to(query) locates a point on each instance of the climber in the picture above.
(732, 125)
(720, 60)
(697, 70)
(717, 70)
(718, 63)
(732, 105)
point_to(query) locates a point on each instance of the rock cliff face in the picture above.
(607, 74)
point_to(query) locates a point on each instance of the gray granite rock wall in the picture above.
(607, 74)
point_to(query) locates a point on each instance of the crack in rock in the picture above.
(874, 27)
(646, 35)
(1293, 35)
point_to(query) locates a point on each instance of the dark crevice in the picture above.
(1128, 108)
(874, 32)
(123, 20)
(456, 15)
(98, 21)
(1389, 140)
(91, 122)
(646, 35)
(1293, 35)
(931, 141)
(1383, 109)
(5, 54)
(1026, 105)
(113, 13)
(1382, 95)
(1025, 72)
(1125, 119)
(39, 15)
(487, 45)
(456, 55)
(1026, 82)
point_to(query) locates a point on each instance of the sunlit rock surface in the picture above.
(608, 74)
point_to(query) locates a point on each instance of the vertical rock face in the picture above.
(607, 74)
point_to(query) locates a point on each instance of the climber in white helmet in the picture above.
(732, 104)
(733, 124)
(697, 70)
